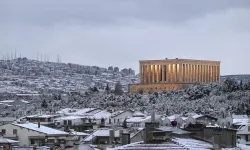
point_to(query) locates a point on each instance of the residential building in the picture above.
(47, 120)
(7, 144)
(118, 117)
(29, 134)
(7, 120)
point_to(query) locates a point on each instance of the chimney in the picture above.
(153, 114)
(111, 136)
(125, 138)
(39, 123)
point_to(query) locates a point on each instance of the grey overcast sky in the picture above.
(122, 32)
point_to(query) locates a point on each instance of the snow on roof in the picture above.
(142, 146)
(69, 118)
(42, 116)
(174, 130)
(42, 129)
(69, 111)
(97, 133)
(138, 114)
(241, 121)
(240, 116)
(79, 133)
(7, 101)
(192, 143)
(117, 113)
(138, 119)
(4, 141)
(197, 116)
(102, 114)
(25, 101)
(173, 117)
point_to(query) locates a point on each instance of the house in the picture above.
(239, 120)
(243, 134)
(7, 120)
(103, 136)
(47, 120)
(7, 143)
(204, 119)
(78, 112)
(70, 120)
(119, 116)
(29, 134)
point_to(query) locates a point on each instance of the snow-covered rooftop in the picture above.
(79, 133)
(4, 141)
(42, 116)
(42, 129)
(102, 114)
(138, 119)
(193, 144)
(69, 118)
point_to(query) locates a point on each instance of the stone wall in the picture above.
(156, 87)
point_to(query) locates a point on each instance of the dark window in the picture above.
(65, 122)
(247, 138)
(32, 141)
(3, 131)
(69, 122)
(248, 128)
(14, 131)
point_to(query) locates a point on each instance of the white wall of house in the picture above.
(121, 117)
(77, 121)
(244, 134)
(23, 134)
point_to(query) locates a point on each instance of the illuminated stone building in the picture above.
(175, 74)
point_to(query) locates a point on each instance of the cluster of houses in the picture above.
(92, 128)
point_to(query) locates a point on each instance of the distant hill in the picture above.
(243, 77)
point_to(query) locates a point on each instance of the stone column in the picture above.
(205, 73)
(218, 73)
(163, 73)
(180, 73)
(149, 71)
(187, 73)
(141, 74)
(153, 73)
(171, 73)
(183, 73)
(196, 73)
(166, 75)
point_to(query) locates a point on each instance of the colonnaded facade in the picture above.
(175, 74)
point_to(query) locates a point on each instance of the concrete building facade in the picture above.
(174, 74)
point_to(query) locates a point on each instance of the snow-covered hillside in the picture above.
(201, 99)
(29, 76)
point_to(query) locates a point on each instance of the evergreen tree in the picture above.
(107, 88)
(59, 97)
(124, 124)
(118, 88)
(44, 104)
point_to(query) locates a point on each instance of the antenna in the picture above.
(15, 53)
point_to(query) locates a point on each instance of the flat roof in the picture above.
(177, 60)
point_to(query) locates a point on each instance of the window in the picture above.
(114, 120)
(70, 122)
(249, 128)
(65, 122)
(32, 141)
(3, 131)
(14, 131)
(247, 138)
